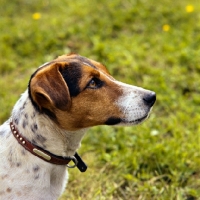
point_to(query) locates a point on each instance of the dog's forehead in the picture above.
(74, 61)
(75, 58)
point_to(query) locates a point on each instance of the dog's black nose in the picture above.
(150, 99)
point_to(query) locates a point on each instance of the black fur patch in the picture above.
(36, 176)
(25, 123)
(72, 74)
(23, 152)
(18, 164)
(113, 121)
(85, 60)
(34, 128)
(40, 138)
(2, 133)
(36, 168)
(16, 121)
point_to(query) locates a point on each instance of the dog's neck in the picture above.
(42, 131)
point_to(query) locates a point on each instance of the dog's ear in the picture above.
(48, 88)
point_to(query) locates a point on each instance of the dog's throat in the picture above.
(46, 155)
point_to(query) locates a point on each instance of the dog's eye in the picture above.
(94, 83)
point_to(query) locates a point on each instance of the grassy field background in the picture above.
(153, 44)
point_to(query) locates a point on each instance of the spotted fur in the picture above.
(64, 98)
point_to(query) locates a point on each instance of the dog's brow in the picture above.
(85, 61)
(89, 65)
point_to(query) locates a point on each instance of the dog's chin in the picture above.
(125, 122)
(133, 122)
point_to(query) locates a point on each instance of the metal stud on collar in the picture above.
(15, 133)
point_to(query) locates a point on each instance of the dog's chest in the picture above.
(21, 173)
(24, 175)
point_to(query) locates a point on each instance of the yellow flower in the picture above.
(189, 8)
(166, 27)
(36, 16)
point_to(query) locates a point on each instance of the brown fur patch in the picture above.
(8, 190)
(49, 90)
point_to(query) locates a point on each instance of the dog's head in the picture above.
(78, 92)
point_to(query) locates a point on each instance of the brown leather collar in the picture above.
(46, 155)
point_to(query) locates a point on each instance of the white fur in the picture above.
(19, 169)
(132, 105)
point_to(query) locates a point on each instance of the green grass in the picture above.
(158, 160)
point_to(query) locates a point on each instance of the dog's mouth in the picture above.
(119, 121)
(113, 121)
(136, 121)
